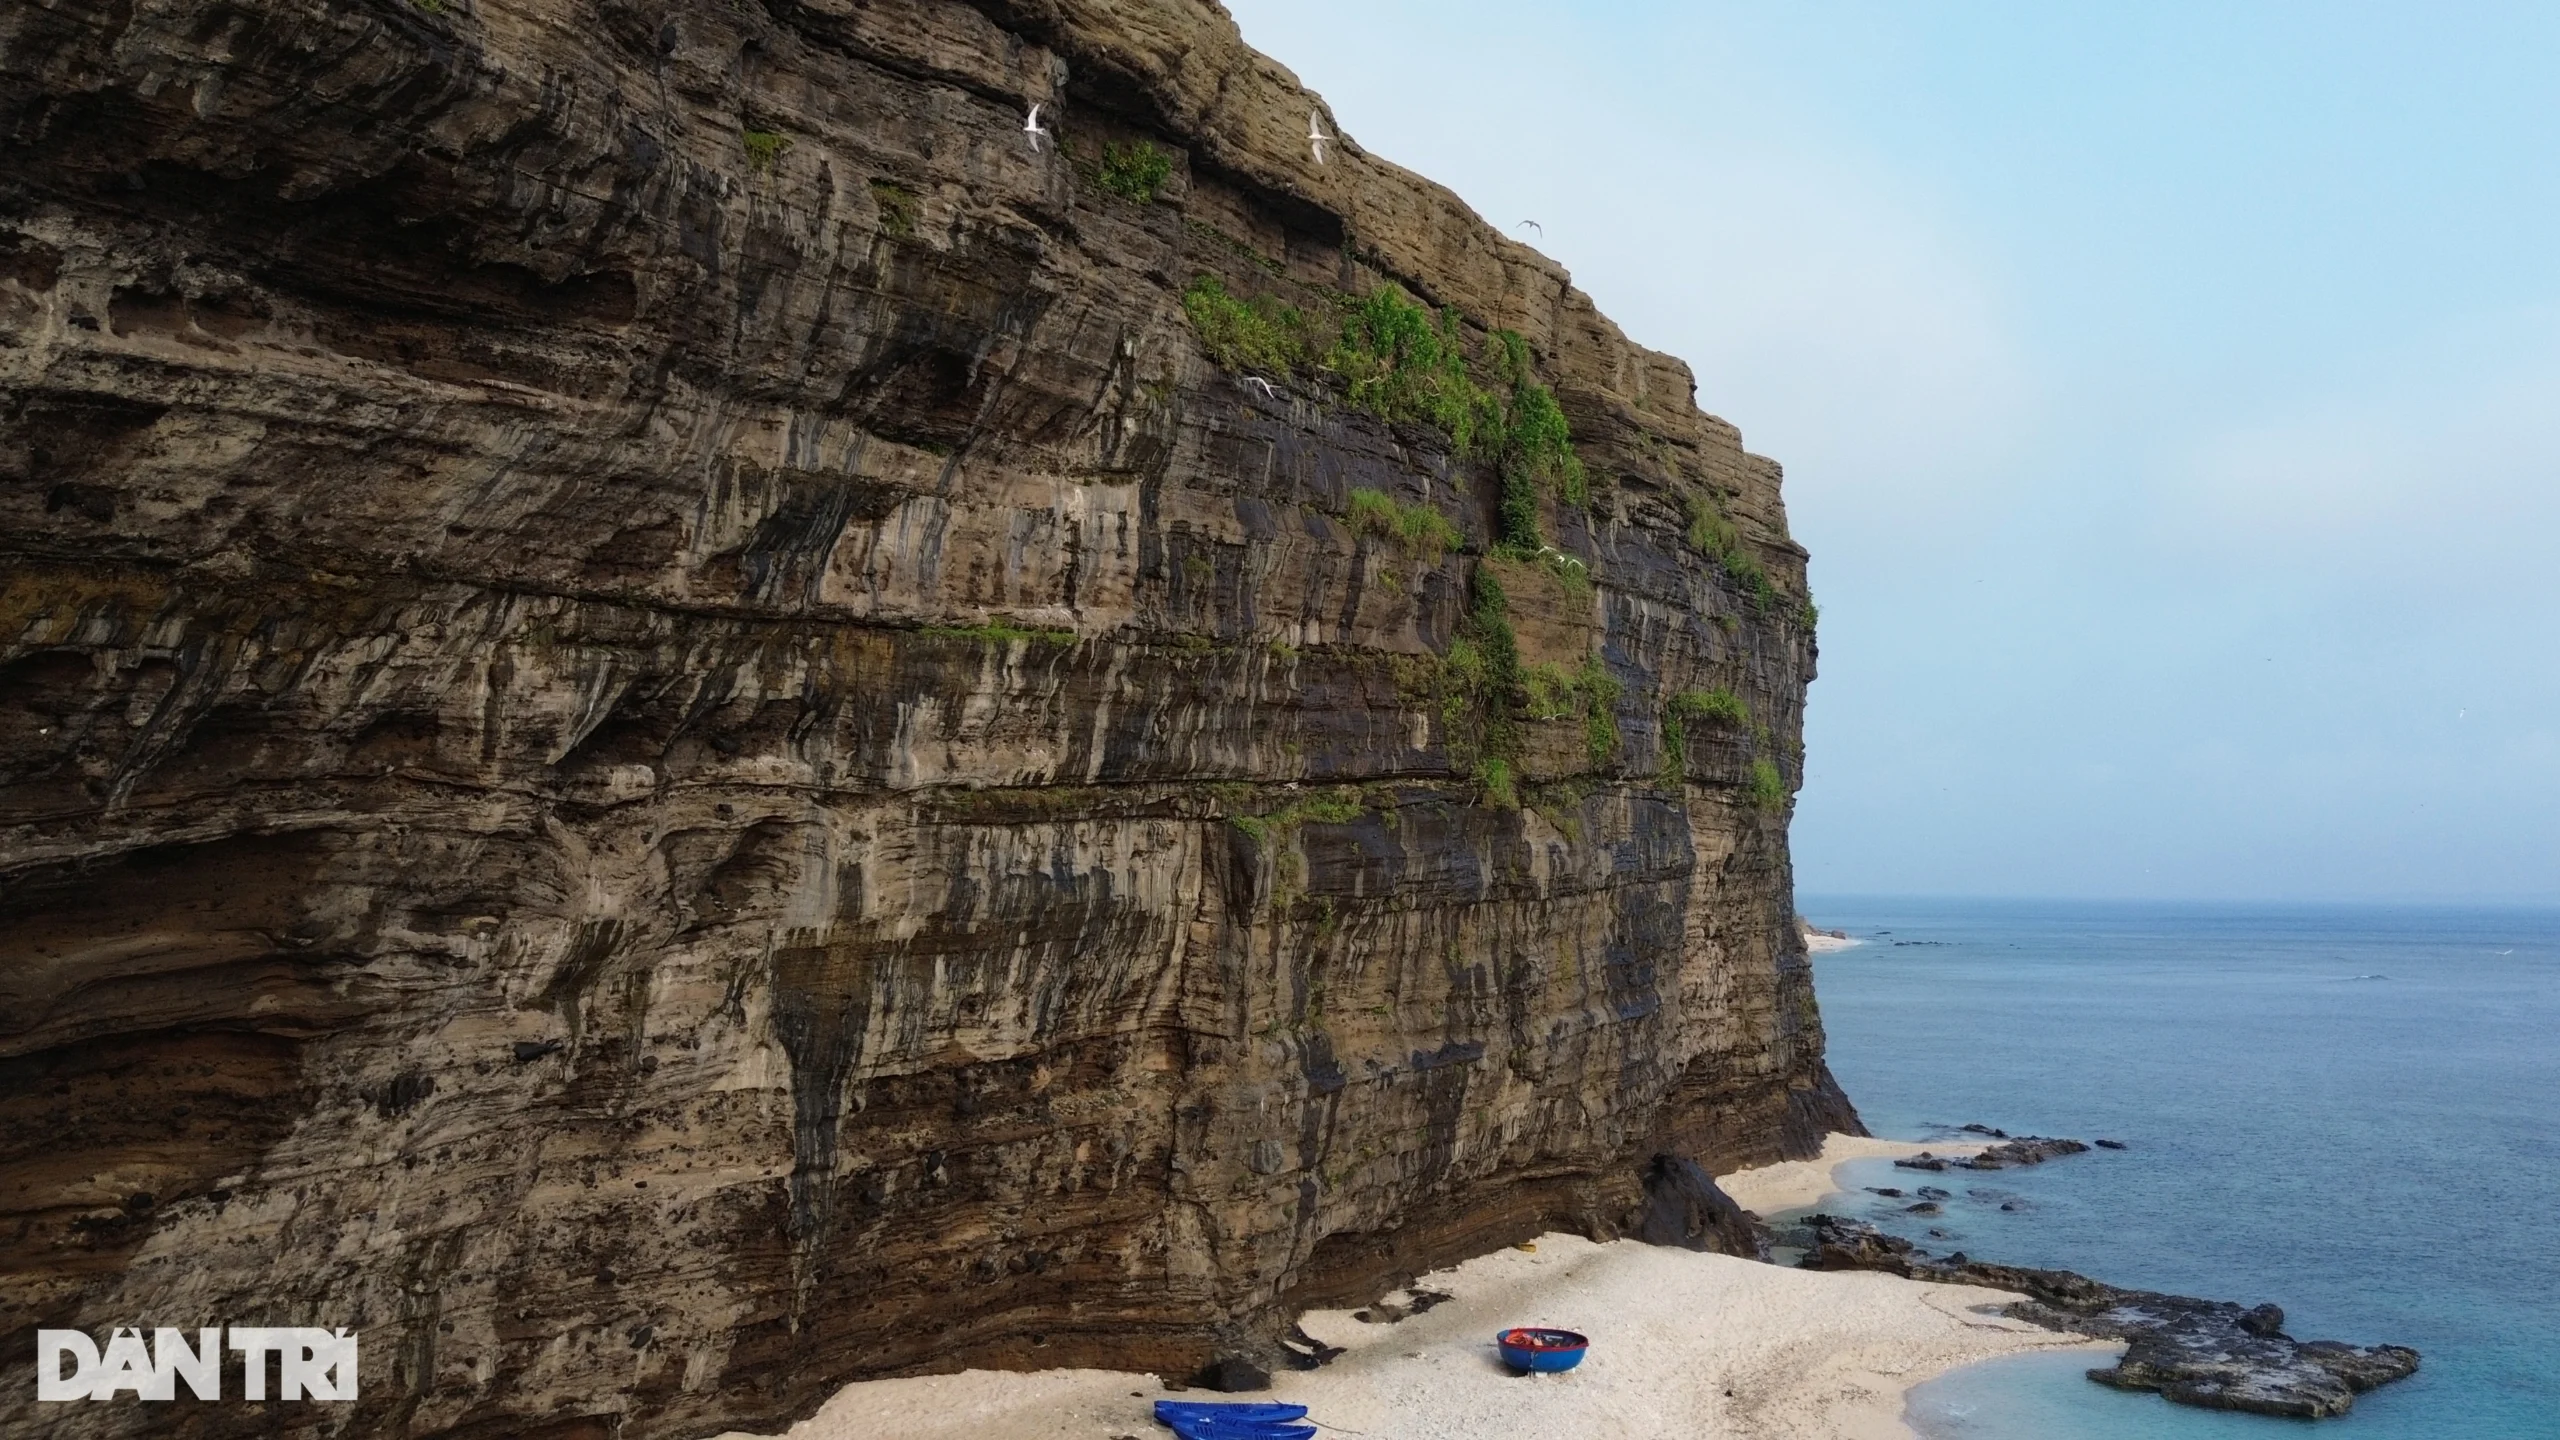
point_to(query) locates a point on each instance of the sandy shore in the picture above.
(1795, 1184)
(1821, 944)
(1698, 1347)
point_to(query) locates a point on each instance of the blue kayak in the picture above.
(1195, 1420)
(1205, 1429)
(1238, 1412)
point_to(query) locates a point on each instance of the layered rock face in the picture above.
(666, 739)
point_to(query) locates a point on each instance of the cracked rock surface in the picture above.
(657, 717)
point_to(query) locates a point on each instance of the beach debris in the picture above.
(1388, 1310)
(2215, 1354)
(1304, 1351)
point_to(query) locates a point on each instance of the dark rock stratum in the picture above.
(665, 740)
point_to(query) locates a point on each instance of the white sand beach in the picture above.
(1821, 944)
(1684, 1347)
(1795, 1184)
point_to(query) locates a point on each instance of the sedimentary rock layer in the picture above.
(665, 739)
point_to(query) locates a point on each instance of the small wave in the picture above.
(2346, 979)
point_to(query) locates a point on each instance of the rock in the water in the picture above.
(2210, 1353)
(2025, 1150)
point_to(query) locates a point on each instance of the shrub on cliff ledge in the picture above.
(764, 148)
(1135, 172)
(1421, 531)
(1695, 707)
(1399, 361)
(1768, 787)
(1711, 534)
(1257, 334)
(1407, 364)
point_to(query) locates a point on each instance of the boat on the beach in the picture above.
(1235, 1420)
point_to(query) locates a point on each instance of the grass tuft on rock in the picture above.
(1135, 171)
(765, 148)
(1001, 632)
(1419, 530)
(1768, 787)
(1257, 334)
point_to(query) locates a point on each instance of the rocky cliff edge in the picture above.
(677, 723)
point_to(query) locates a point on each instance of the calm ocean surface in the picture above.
(2352, 1112)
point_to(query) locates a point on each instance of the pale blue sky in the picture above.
(2169, 395)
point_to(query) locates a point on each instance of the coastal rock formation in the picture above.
(678, 723)
(2008, 1154)
(2209, 1353)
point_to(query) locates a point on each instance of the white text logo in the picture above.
(311, 1363)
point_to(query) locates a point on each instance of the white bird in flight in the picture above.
(1316, 136)
(1032, 128)
(1532, 224)
(1265, 384)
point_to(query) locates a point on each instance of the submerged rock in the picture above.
(2210, 1353)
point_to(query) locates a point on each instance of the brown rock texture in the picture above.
(665, 740)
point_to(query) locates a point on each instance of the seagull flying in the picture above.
(1532, 224)
(1265, 384)
(1316, 136)
(1034, 129)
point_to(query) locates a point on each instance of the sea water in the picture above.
(2352, 1112)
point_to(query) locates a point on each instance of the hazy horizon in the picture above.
(2170, 400)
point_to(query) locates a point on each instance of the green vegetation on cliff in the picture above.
(1768, 787)
(1404, 363)
(1257, 334)
(1716, 537)
(1481, 708)
(764, 148)
(1421, 531)
(1001, 632)
(1696, 707)
(1135, 171)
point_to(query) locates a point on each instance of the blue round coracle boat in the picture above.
(1535, 1350)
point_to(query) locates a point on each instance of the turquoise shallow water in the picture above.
(2353, 1112)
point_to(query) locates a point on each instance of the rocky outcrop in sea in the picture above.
(2210, 1353)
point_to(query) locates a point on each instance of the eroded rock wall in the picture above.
(656, 716)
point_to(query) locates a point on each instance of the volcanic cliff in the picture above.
(680, 722)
